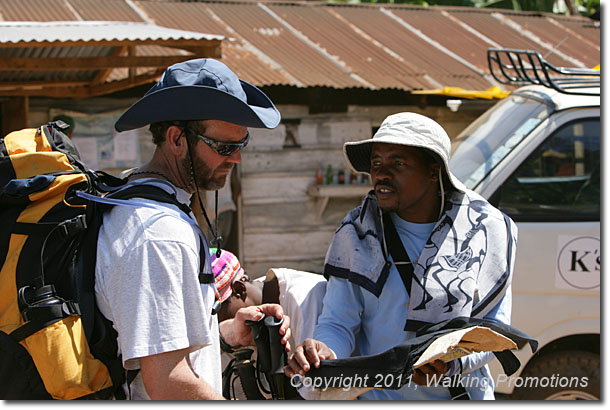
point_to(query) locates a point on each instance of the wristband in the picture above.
(224, 346)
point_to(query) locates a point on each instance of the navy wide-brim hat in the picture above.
(201, 89)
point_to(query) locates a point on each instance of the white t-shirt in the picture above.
(146, 283)
(301, 295)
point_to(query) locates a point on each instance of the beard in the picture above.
(206, 177)
(388, 207)
(385, 205)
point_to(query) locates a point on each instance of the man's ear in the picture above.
(435, 168)
(176, 139)
(239, 290)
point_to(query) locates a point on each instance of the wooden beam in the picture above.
(83, 91)
(102, 75)
(54, 92)
(205, 52)
(87, 63)
(108, 88)
(40, 84)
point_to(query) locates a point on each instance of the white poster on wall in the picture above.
(87, 148)
(98, 144)
(126, 146)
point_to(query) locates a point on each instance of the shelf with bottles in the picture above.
(323, 193)
(338, 190)
(337, 183)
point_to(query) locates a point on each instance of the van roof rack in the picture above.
(524, 67)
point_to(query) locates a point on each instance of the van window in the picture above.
(560, 180)
(491, 137)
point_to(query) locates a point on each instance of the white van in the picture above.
(536, 156)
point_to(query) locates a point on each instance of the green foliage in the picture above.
(588, 7)
(533, 5)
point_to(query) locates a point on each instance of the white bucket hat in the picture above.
(405, 128)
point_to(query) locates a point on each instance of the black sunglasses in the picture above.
(225, 148)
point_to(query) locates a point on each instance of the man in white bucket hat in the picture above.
(421, 249)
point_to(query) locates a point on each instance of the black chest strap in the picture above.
(397, 250)
(158, 194)
(405, 269)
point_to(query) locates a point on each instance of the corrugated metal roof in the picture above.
(307, 44)
(304, 60)
(398, 28)
(581, 28)
(36, 10)
(374, 63)
(495, 26)
(110, 10)
(92, 31)
(248, 62)
(566, 42)
(372, 46)
(87, 57)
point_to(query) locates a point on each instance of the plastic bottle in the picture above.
(35, 301)
(348, 176)
(319, 177)
(329, 175)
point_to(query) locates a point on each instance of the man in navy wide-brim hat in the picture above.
(153, 275)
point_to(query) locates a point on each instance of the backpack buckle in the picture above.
(70, 227)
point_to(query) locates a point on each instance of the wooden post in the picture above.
(14, 114)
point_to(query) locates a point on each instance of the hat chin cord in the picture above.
(440, 179)
(217, 239)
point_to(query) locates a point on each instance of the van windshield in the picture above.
(486, 142)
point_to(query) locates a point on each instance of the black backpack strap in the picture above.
(405, 269)
(510, 363)
(397, 250)
(67, 228)
(151, 192)
(40, 317)
(158, 194)
(241, 367)
(130, 375)
(155, 193)
(456, 388)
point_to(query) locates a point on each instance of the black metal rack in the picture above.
(524, 67)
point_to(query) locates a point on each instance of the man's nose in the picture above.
(235, 157)
(381, 172)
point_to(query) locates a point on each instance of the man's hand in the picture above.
(309, 352)
(236, 333)
(429, 371)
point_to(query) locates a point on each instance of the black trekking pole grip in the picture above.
(278, 351)
(261, 338)
(278, 354)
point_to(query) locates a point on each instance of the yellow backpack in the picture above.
(54, 342)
